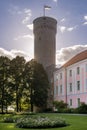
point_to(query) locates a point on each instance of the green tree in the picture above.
(17, 69)
(5, 99)
(27, 84)
(39, 85)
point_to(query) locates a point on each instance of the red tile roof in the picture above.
(79, 57)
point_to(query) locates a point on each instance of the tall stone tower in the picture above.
(45, 29)
(45, 40)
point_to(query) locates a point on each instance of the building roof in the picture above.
(79, 57)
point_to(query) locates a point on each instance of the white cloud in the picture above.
(21, 53)
(14, 10)
(62, 28)
(67, 53)
(13, 53)
(6, 53)
(62, 55)
(69, 29)
(25, 20)
(30, 26)
(28, 14)
(63, 20)
(85, 23)
(25, 13)
(23, 37)
(85, 17)
(55, 0)
(25, 16)
(28, 36)
(72, 28)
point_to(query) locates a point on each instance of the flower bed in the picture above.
(40, 122)
(10, 120)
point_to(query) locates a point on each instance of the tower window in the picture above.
(39, 38)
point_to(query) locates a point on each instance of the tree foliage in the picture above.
(82, 109)
(37, 82)
(60, 105)
(40, 85)
(5, 91)
(17, 69)
(22, 83)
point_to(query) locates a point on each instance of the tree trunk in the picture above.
(20, 106)
(17, 104)
(2, 100)
(6, 107)
(31, 100)
(2, 107)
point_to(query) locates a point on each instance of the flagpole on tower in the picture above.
(44, 11)
(46, 7)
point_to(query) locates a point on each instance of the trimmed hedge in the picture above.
(40, 122)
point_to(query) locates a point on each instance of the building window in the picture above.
(56, 77)
(60, 88)
(60, 75)
(70, 73)
(78, 85)
(56, 90)
(78, 101)
(78, 70)
(86, 83)
(70, 102)
(70, 87)
(86, 67)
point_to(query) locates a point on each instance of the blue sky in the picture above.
(16, 30)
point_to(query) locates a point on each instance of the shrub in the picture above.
(40, 122)
(10, 120)
(14, 117)
(26, 113)
(82, 109)
(60, 106)
(67, 110)
(48, 110)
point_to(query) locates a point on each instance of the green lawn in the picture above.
(77, 122)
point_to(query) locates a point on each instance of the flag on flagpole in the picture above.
(47, 7)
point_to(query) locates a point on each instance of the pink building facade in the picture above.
(70, 81)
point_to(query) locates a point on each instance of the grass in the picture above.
(77, 122)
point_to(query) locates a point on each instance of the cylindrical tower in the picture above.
(45, 40)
